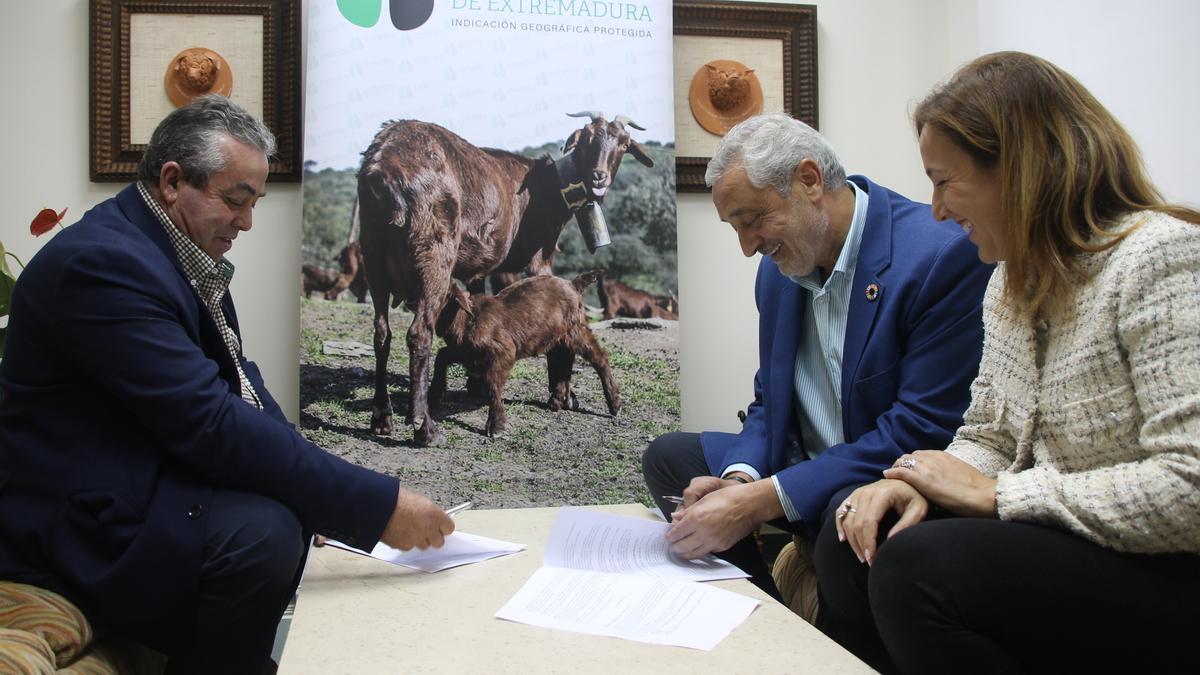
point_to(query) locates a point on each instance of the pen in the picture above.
(673, 499)
(461, 507)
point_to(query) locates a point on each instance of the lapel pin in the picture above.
(872, 292)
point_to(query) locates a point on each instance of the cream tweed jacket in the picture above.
(1103, 439)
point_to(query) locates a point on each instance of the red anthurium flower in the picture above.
(45, 221)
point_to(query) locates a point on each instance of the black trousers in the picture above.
(974, 595)
(668, 465)
(253, 558)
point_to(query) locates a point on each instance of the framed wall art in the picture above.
(148, 57)
(732, 60)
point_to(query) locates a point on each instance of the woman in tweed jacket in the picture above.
(1059, 531)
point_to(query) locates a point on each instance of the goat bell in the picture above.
(592, 226)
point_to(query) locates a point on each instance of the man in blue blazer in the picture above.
(145, 471)
(870, 333)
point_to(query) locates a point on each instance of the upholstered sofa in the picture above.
(42, 632)
(796, 578)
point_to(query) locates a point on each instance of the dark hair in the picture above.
(1068, 170)
(191, 136)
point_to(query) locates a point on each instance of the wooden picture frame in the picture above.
(756, 34)
(129, 39)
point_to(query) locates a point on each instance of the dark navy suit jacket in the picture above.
(120, 415)
(908, 361)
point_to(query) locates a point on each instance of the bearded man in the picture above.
(870, 334)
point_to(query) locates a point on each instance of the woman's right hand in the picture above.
(858, 517)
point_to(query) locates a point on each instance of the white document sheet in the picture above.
(603, 542)
(634, 607)
(460, 549)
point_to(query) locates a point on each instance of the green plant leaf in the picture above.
(7, 282)
(4, 263)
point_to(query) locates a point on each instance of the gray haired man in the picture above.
(869, 337)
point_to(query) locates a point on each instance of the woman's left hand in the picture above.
(948, 482)
(857, 519)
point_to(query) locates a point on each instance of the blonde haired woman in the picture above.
(1059, 531)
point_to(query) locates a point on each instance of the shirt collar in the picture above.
(848, 257)
(195, 262)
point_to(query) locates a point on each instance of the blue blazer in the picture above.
(120, 413)
(908, 361)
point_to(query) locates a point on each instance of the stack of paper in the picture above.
(460, 549)
(613, 575)
(603, 542)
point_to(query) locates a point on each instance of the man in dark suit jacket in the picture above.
(870, 334)
(145, 471)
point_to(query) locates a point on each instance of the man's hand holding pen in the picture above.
(716, 513)
(416, 522)
(319, 540)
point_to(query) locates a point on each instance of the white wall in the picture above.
(876, 57)
(1139, 58)
(44, 136)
